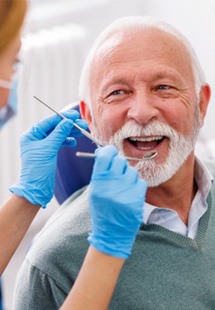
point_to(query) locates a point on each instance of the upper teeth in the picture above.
(146, 139)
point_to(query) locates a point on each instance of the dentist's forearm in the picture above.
(16, 215)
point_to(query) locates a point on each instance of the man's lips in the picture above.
(145, 143)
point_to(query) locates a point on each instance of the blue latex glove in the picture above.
(117, 197)
(39, 148)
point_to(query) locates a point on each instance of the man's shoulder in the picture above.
(64, 236)
(75, 210)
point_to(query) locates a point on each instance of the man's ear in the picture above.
(204, 97)
(85, 112)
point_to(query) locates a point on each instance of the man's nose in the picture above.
(143, 108)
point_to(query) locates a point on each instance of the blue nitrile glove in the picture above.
(117, 197)
(39, 148)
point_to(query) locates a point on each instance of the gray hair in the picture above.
(135, 23)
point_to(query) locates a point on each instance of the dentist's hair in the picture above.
(12, 13)
(136, 24)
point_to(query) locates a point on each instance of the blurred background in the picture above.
(56, 38)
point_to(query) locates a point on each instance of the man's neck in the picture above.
(177, 193)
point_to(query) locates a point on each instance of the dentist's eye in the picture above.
(16, 65)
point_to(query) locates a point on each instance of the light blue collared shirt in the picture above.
(169, 219)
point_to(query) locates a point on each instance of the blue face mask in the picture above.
(10, 109)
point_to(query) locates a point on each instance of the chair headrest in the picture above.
(73, 172)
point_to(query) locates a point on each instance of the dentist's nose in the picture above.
(142, 108)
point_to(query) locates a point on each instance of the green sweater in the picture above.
(165, 271)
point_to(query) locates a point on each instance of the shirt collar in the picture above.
(204, 181)
(203, 177)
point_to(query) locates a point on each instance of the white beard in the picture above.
(180, 148)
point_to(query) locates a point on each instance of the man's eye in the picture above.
(117, 92)
(163, 87)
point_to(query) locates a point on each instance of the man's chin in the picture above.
(155, 174)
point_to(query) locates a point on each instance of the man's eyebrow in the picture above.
(173, 75)
(115, 81)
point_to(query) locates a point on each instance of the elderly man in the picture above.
(142, 89)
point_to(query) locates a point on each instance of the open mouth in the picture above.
(145, 143)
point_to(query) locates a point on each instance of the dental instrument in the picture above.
(148, 155)
(83, 131)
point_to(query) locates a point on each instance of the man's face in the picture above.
(145, 83)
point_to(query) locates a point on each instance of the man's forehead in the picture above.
(148, 52)
(110, 43)
(139, 39)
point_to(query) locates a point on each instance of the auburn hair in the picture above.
(12, 14)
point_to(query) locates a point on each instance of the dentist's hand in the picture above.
(117, 197)
(39, 148)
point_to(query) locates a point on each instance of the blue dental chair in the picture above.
(73, 172)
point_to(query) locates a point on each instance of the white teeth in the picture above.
(144, 148)
(149, 139)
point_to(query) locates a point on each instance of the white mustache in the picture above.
(132, 129)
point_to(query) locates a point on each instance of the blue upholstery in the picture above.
(73, 172)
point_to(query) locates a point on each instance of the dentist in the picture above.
(39, 145)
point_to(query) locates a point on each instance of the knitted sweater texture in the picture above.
(165, 271)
